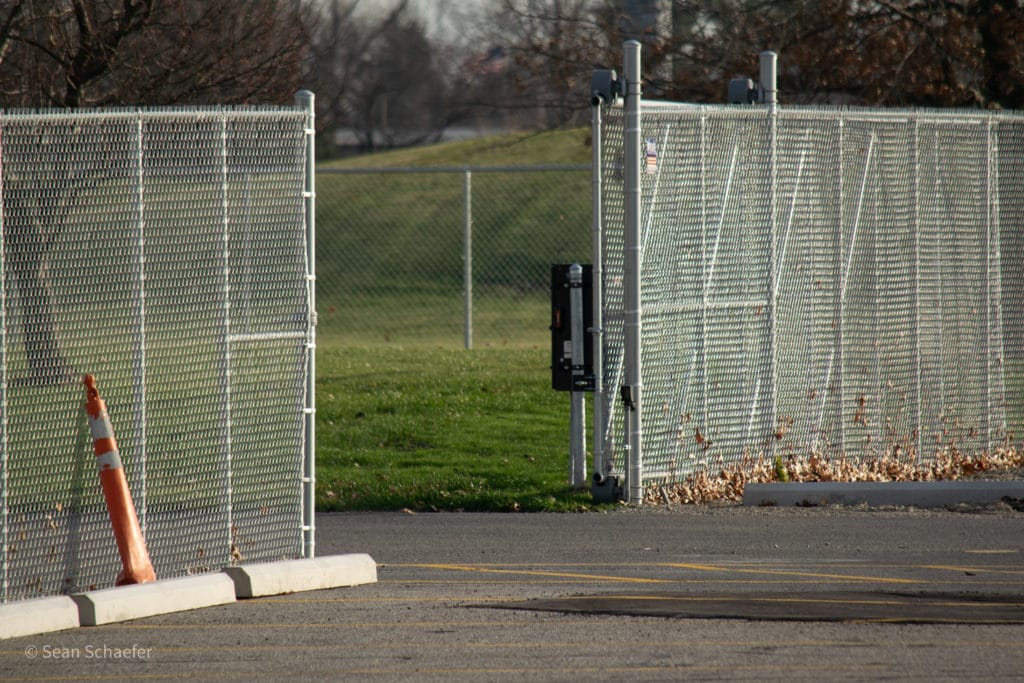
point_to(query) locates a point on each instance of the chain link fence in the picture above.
(445, 256)
(165, 253)
(845, 282)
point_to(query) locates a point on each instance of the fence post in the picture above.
(632, 388)
(916, 170)
(597, 319)
(577, 402)
(139, 355)
(839, 351)
(769, 97)
(304, 99)
(226, 361)
(5, 562)
(467, 256)
(768, 79)
(993, 293)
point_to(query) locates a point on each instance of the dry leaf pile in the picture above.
(727, 482)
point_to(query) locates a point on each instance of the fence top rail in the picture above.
(896, 114)
(135, 114)
(540, 168)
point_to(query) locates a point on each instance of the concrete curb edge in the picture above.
(108, 605)
(911, 493)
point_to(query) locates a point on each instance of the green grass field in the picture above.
(406, 418)
(434, 428)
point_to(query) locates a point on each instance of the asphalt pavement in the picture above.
(694, 593)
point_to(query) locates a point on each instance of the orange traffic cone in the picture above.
(130, 543)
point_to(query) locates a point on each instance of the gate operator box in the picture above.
(567, 373)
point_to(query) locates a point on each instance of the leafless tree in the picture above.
(551, 46)
(381, 77)
(877, 52)
(73, 53)
(874, 52)
(79, 53)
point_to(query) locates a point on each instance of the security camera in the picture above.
(604, 87)
(742, 91)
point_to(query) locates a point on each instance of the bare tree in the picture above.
(76, 53)
(71, 53)
(551, 46)
(937, 53)
(338, 42)
(877, 52)
(382, 77)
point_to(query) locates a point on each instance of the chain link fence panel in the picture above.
(842, 282)
(163, 252)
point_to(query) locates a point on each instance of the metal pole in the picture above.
(139, 356)
(577, 423)
(987, 342)
(633, 385)
(919, 400)
(840, 302)
(995, 157)
(304, 100)
(5, 459)
(225, 380)
(769, 89)
(768, 85)
(996, 250)
(597, 331)
(467, 256)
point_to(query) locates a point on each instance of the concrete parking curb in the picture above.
(159, 597)
(911, 493)
(290, 576)
(108, 605)
(43, 615)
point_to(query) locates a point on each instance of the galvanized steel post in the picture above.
(632, 388)
(4, 412)
(305, 101)
(467, 257)
(226, 358)
(139, 480)
(577, 423)
(768, 79)
(597, 320)
(769, 97)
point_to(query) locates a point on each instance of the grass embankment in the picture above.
(513, 149)
(390, 246)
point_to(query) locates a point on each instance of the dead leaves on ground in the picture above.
(727, 482)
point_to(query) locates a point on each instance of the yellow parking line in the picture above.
(773, 670)
(807, 575)
(993, 551)
(521, 570)
(703, 581)
(534, 572)
(974, 569)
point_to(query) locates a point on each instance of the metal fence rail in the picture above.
(165, 252)
(845, 282)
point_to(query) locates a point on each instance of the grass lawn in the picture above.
(405, 417)
(430, 428)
